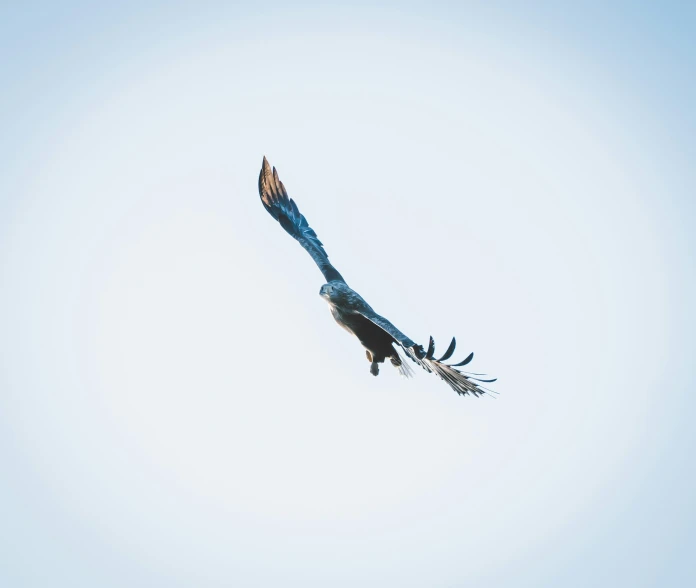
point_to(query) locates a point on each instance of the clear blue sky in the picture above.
(177, 407)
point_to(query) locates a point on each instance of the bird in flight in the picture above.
(377, 335)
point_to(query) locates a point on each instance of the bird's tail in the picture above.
(399, 363)
(459, 382)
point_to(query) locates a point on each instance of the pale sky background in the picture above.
(177, 406)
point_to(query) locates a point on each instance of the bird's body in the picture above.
(380, 338)
(378, 343)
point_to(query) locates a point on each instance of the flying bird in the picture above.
(379, 337)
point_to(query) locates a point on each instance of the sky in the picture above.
(177, 406)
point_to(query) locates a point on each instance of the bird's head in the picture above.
(337, 293)
(327, 291)
(334, 292)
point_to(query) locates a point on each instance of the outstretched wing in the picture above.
(459, 382)
(385, 325)
(282, 208)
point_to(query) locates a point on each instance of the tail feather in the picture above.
(399, 363)
(459, 382)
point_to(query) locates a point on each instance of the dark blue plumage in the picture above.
(350, 310)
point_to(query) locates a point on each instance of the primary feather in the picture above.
(282, 208)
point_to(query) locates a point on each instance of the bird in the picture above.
(380, 338)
